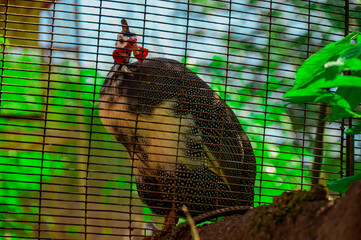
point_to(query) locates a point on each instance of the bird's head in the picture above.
(126, 44)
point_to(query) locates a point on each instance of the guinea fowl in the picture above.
(186, 145)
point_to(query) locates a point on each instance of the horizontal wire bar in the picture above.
(86, 138)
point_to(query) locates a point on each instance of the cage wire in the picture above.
(63, 176)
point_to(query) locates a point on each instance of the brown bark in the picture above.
(300, 216)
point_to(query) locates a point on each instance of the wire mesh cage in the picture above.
(181, 117)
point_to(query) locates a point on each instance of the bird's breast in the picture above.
(161, 135)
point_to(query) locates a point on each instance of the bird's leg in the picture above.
(170, 222)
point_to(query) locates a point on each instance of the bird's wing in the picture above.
(216, 134)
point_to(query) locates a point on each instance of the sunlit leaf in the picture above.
(3, 41)
(353, 64)
(316, 62)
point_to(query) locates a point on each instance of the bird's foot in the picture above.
(167, 228)
(155, 236)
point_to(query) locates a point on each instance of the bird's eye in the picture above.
(120, 38)
(129, 35)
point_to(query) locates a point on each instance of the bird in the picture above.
(186, 146)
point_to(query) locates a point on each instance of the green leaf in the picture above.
(315, 64)
(351, 94)
(334, 100)
(344, 40)
(349, 37)
(342, 185)
(355, 130)
(303, 95)
(358, 40)
(3, 40)
(339, 81)
(353, 52)
(331, 72)
(353, 64)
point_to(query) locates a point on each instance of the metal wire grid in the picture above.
(66, 178)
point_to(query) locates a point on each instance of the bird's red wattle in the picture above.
(118, 58)
(143, 53)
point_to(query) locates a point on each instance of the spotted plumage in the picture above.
(185, 143)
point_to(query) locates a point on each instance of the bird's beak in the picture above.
(124, 49)
(132, 40)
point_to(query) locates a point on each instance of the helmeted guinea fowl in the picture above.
(186, 145)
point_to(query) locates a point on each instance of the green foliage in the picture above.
(3, 42)
(322, 72)
(27, 164)
(22, 82)
(342, 185)
(210, 5)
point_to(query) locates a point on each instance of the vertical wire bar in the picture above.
(347, 16)
(132, 174)
(318, 152)
(266, 98)
(132, 164)
(181, 99)
(225, 94)
(319, 145)
(3, 51)
(350, 151)
(47, 93)
(305, 105)
(342, 128)
(77, 31)
(350, 139)
(143, 44)
(132, 170)
(91, 125)
(303, 142)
